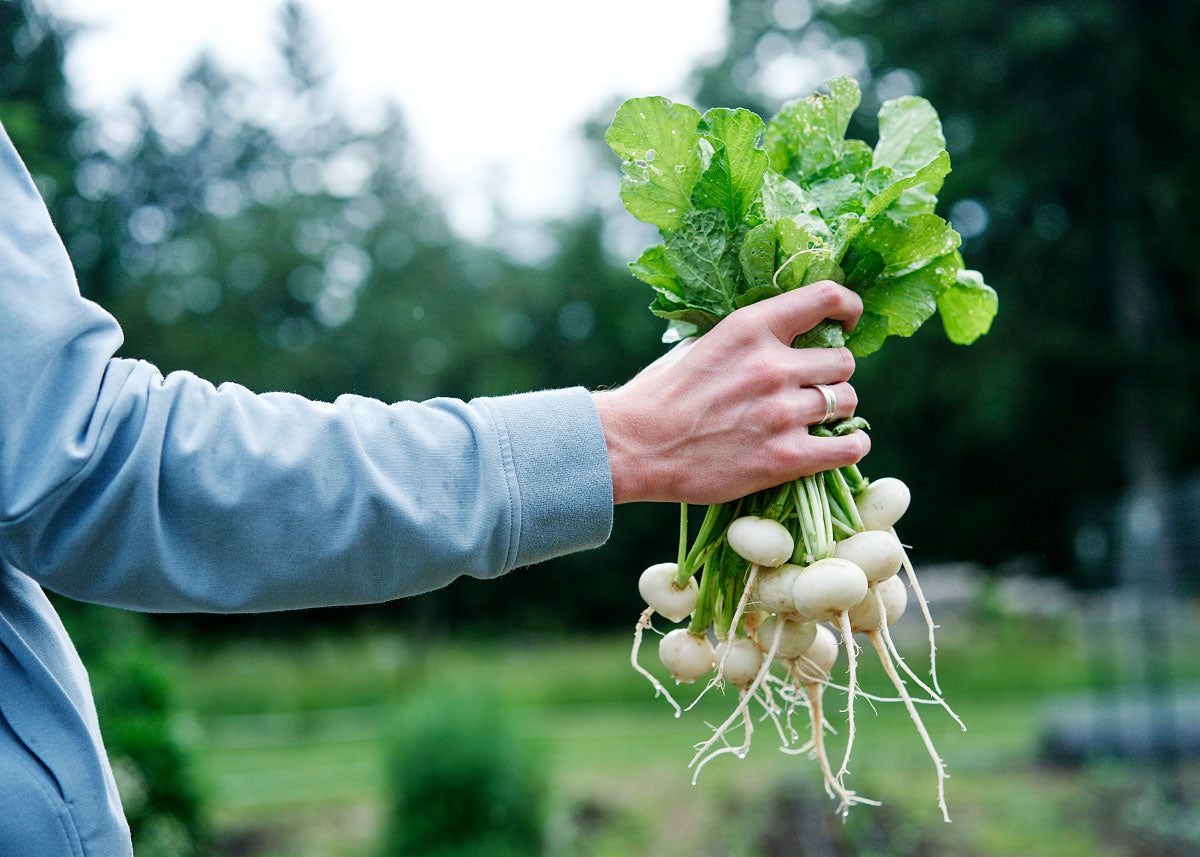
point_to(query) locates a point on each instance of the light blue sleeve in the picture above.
(124, 487)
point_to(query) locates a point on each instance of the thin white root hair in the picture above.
(937, 698)
(712, 682)
(832, 685)
(805, 748)
(808, 678)
(740, 752)
(788, 261)
(791, 692)
(643, 623)
(851, 689)
(772, 710)
(834, 787)
(767, 700)
(916, 586)
(890, 669)
(742, 707)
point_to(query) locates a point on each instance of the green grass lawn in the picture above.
(291, 743)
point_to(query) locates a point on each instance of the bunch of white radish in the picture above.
(747, 210)
(772, 568)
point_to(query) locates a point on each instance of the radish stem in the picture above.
(843, 529)
(846, 498)
(737, 614)
(807, 528)
(854, 478)
(683, 528)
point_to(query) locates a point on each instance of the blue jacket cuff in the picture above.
(559, 476)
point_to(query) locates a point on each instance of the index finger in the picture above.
(800, 310)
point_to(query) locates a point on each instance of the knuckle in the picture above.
(848, 397)
(764, 373)
(784, 456)
(845, 361)
(740, 326)
(827, 293)
(839, 298)
(860, 445)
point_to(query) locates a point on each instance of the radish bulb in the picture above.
(828, 588)
(760, 540)
(797, 635)
(877, 552)
(753, 618)
(882, 503)
(890, 595)
(773, 589)
(686, 655)
(741, 659)
(815, 664)
(658, 589)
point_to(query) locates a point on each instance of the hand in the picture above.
(722, 416)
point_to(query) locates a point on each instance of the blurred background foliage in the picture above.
(245, 231)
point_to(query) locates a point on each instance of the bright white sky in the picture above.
(563, 58)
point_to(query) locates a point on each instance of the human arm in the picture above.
(124, 487)
(728, 414)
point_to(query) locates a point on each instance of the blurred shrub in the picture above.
(462, 781)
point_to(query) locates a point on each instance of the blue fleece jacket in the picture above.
(123, 487)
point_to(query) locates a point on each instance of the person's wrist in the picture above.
(628, 468)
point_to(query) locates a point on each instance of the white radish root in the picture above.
(742, 709)
(915, 584)
(877, 552)
(877, 639)
(737, 616)
(760, 540)
(852, 685)
(643, 623)
(773, 589)
(813, 669)
(741, 659)
(936, 698)
(797, 635)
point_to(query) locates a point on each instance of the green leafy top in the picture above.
(742, 221)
